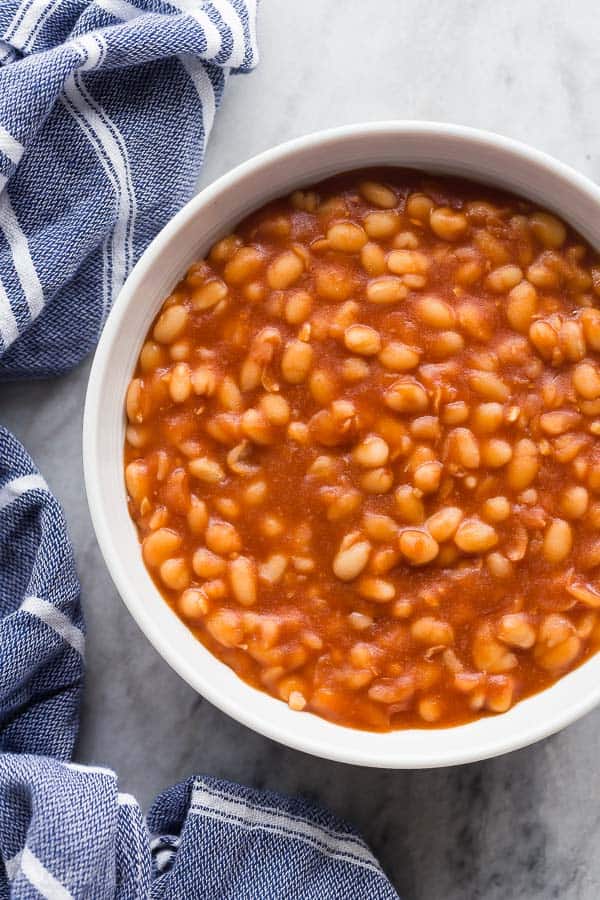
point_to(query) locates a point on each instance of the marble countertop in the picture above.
(522, 826)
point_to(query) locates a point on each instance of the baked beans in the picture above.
(362, 450)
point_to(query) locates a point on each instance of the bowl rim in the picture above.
(344, 751)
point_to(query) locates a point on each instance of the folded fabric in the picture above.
(41, 625)
(105, 108)
(70, 833)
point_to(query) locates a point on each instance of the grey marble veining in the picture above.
(523, 826)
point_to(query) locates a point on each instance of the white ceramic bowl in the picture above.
(214, 212)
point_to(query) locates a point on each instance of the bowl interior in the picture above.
(214, 212)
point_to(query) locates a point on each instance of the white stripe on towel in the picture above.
(6, 52)
(203, 85)
(241, 815)
(163, 858)
(252, 9)
(102, 134)
(114, 146)
(268, 807)
(13, 489)
(231, 18)
(9, 330)
(55, 619)
(22, 261)
(41, 879)
(93, 49)
(89, 770)
(252, 825)
(17, 21)
(211, 32)
(120, 9)
(10, 146)
(68, 102)
(13, 865)
(23, 32)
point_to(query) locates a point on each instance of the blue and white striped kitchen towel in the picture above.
(105, 108)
